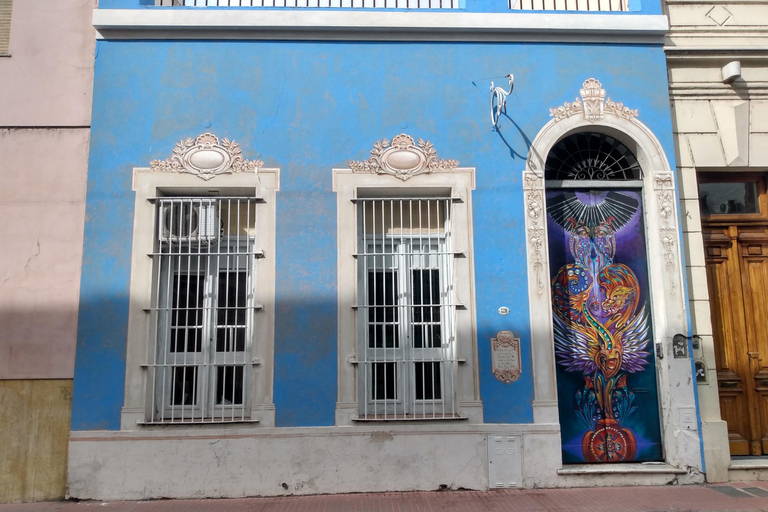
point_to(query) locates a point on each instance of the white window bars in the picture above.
(364, 4)
(569, 5)
(406, 312)
(203, 305)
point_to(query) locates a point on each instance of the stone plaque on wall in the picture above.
(505, 358)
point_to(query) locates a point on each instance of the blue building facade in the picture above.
(335, 125)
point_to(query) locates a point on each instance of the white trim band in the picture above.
(377, 26)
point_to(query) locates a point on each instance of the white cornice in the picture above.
(377, 26)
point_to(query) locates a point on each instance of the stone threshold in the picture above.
(749, 463)
(621, 469)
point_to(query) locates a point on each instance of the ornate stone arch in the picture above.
(594, 113)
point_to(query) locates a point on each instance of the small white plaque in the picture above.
(505, 358)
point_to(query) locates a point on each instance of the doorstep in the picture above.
(749, 463)
(656, 468)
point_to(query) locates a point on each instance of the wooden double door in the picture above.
(737, 274)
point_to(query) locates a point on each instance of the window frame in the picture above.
(758, 178)
(349, 187)
(140, 389)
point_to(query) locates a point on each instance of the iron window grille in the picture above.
(570, 5)
(406, 319)
(203, 305)
(352, 4)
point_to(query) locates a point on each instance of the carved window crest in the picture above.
(403, 158)
(206, 157)
(593, 105)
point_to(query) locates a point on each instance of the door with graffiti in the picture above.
(605, 367)
(601, 309)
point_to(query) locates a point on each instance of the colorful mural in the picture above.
(602, 327)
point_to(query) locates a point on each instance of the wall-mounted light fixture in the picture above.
(731, 71)
(499, 100)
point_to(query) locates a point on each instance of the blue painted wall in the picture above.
(308, 108)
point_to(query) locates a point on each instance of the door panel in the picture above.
(737, 274)
(753, 248)
(606, 374)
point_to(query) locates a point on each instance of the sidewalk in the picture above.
(746, 496)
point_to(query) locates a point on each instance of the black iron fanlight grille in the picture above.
(591, 156)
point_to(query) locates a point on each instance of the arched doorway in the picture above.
(654, 192)
(606, 379)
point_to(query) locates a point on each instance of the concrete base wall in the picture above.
(34, 427)
(221, 462)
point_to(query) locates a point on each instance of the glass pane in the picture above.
(382, 310)
(728, 197)
(231, 312)
(229, 385)
(187, 313)
(428, 381)
(384, 381)
(184, 390)
(426, 320)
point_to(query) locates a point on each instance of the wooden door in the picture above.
(737, 274)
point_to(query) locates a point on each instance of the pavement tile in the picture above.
(733, 497)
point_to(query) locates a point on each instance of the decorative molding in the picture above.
(567, 110)
(206, 157)
(533, 187)
(619, 110)
(593, 105)
(593, 97)
(664, 185)
(505, 355)
(378, 25)
(403, 158)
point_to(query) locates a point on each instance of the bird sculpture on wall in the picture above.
(499, 100)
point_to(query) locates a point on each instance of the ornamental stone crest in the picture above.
(403, 159)
(593, 105)
(206, 157)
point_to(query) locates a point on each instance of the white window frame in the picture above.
(457, 183)
(140, 390)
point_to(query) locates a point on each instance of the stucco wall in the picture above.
(43, 189)
(48, 78)
(45, 105)
(307, 108)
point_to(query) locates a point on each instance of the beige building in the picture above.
(718, 68)
(46, 65)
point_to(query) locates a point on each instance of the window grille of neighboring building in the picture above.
(363, 4)
(591, 156)
(203, 304)
(406, 310)
(6, 6)
(569, 5)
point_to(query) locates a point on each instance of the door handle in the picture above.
(754, 355)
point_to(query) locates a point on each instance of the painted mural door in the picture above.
(736, 248)
(606, 376)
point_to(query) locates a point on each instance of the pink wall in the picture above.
(45, 106)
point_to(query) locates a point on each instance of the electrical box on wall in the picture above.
(505, 462)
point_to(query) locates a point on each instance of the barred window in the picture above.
(406, 323)
(204, 306)
(352, 4)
